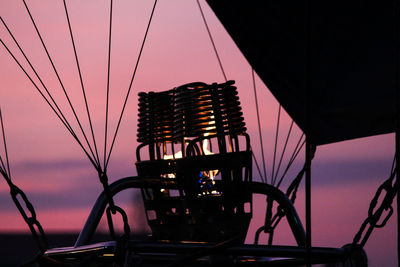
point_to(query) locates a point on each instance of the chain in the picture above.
(33, 224)
(375, 213)
(271, 222)
(113, 209)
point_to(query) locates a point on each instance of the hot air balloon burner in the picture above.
(195, 135)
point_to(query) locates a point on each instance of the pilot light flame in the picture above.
(206, 178)
(212, 173)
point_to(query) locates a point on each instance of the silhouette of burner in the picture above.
(195, 134)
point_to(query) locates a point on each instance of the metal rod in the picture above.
(308, 201)
(137, 182)
(397, 173)
(397, 88)
(319, 253)
(397, 178)
(308, 109)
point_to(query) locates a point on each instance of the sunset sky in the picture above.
(55, 174)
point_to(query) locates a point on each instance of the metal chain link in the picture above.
(271, 222)
(375, 213)
(113, 209)
(34, 226)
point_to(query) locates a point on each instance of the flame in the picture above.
(211, 173)
(177, 155)
(206, 177)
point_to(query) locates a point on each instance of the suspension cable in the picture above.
(37, 75)
(258, 167)
(292, 158)
(294, 186)
(62, 86)
(108, 83)
(112, 208)
(3, 167)
(212, 41)
(95, 160)
(33, 224)
(276, 143)
(259, 125)
(393, 165)
(82, 85)
(271, 222)
(5, 146)
(263, 178)
(283, 151)
(47, 101)
(130, 85)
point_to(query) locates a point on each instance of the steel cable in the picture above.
(212, 41)
(259, 126)
(47, 101)
(276, 143)
(61, 84)
(108, 84)
(5, 147)
(292, 158)
(283, 151)
(130, 85)
(37, 75)
(82, 85)
(32, 222)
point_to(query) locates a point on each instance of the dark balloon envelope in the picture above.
(352, 61)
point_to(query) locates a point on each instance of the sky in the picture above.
(56, 175)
